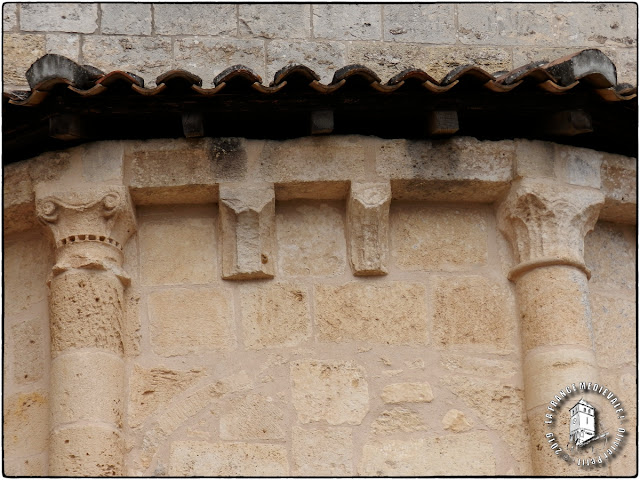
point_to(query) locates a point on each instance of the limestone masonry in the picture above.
(331, 305)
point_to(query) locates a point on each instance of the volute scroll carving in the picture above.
(546, 224)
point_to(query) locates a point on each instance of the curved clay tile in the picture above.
(179, 75)
(583, 64)
(120, 76)
(235, 72)
(467, 72)
(411, 74)
(285, 73)
(355, 70)
(52, 67)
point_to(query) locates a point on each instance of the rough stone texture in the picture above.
(463, 454)
(506, 24)
(97, 382)
(313, 159)
(479, 367)
(392, 313)
(554, 307)
(333, 391)
(32, 466)
(274, 21)
(609, 252)
(614, 327)
(102, 162)
(59, 17)
(255, 417)
(398, 419)
(325, 452)
(578, 166)
(102, 445)
(178, 247)
(145, 56)
(65, 44)
(500, 405)
(153, 388)
(434, 24)
(535, 159)
(407, 392)
(127, 19)
(154, 176)
(474, 311)
(25, 424)
(227, 459)
(347, 22)
(597, 24)
(456, 421)
(29, 357)
(187, 321)
(247, 224)
(323, 57)
(310, 239)
(619, 185)
(425, 237)
(389, 59)
(200, 19)
(207, 57)
(275, 315)
(19, 51)
(368, 228)
(86, 310)
(9, 16)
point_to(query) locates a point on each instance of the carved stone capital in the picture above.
(546, 223)
(368, 227)
(90, 226)
(247, 221)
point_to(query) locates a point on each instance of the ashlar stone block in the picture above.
(247, 221)
(456, 421)
(255, 417)
(59, 17)
(334, 391)
(368, 228)
(29, 350)
(325, 452)
(25, 424)
(398, 419)
(614, 327)
(407, 392)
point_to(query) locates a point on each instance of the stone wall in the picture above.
(149, 39)
(376, 333)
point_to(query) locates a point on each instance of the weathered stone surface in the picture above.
(65, 44)
(614, 328)
(207, 56)
(59, 17)
(153, 388)
(456, 421)
(311, 159)
(102, 162)
(434, 24)
(368, 228)
(323, 57)
(463, 454)
(625, 60)
(390, 58)
(479, 367)
(474, 311)
(247, 223)
(178, 246)
(128, 19)
(145, 56)
(187, 321)
(9, 16)
(25, 424)
(325, 452)
(30, 350)
(535, 159)
(425, 237)
(275, 315)
(619, 176)
(334, 391)
(71, 446)
(96, 381)
(500, 405)
(578, 166)
(255, 417)
(347, 22)
(609, 252)
(18, 201)
(597, 24)
(310, 239)
(407, 392)
(196, 19)
(32, 466)
(504, 24)
(398, 419)
(554, 307)
(274, 21)
(227, 459)
(19, 51)
(392, 313)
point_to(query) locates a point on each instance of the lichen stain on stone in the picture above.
(228, 158)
